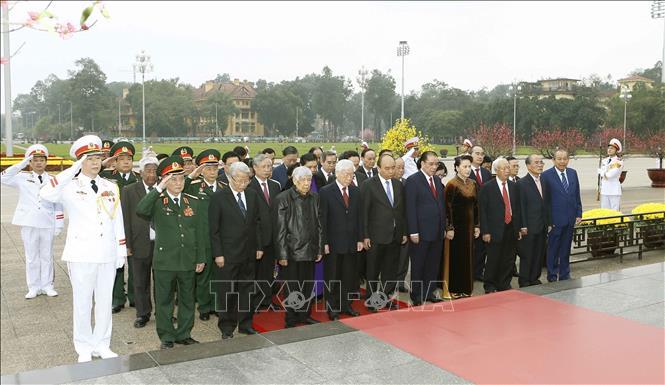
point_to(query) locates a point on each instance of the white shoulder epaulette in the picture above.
(191, 196)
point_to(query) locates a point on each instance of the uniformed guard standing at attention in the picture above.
(187, 155)
(95, 245)
(203, 187)
(122, 175)
(40, 220)
(180, 241)
(610, 172)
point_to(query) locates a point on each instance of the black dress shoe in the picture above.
(141, 321)
(333, 316)
(226, 336)
(249, 331)
(116, 309)
(187, 341)
(204, 316)
(166, 345)
(434, 300)
(351, 312)
(289, 326)
(311, 321)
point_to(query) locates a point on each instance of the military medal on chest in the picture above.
(108, 202)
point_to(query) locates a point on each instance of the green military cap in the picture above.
(185, 152)
(122, 148)
(171, 165)
(106, 145)
(208, 156)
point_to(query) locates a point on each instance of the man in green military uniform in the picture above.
(187, 155)
(123, 175)
(180, 242)
(202, 183)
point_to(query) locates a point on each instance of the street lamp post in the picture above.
(143, 65)
(658, 12)
(513, 91)
(402, 50)
(625, 96)
(71, 121)
(216, 124)
(362, 82)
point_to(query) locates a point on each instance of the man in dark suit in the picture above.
(500, 222)
(327, 169)
(514, 168)
(366, 169)
(426, 218)
(566, 212)
(236, 215)
(140, 238)
(268, 190)
(343, 239)
(384, 230)
(534, 206)
(480, 175)
(289, 157)
(228, 159)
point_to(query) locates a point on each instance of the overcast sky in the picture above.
(469, 45)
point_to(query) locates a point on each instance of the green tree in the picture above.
(380, 97)
(92, 101)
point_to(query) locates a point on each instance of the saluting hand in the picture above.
(164, 181)
(197, 171)
(108, 160)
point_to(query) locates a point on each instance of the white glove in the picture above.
(58, 231)
(601, 172)
(120, 263)
(24, 163)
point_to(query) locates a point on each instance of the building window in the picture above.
(245, 115)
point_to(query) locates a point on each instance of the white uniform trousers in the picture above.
(610, 202)
(90, 279)
(38, 247)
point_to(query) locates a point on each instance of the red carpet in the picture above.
(518, 338)
(267, 321)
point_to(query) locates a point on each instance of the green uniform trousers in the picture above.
(167, 283)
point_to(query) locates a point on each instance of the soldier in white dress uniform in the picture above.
(40, 220)
(95, 244)
(413, 152)
(610, 172)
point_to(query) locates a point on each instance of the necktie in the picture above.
(431, 186)
(390, 193)
(345, 196)
(93, 184)
(124, 176)
(266, 194)
(609, 161)
(40, 179)
(540, 188)
(151, 188)
(479, 178)
(176, 201)
(507, 216)
(369, 173)
(241, 204)
(564, 181)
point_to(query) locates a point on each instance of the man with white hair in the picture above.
(500, 223)
(95, 245)
(299, 244)
(40, 220)
(140, 237)
(343, 239)
(235, 218)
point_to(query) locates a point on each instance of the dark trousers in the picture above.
(340, 274)
(500, 261)
(426, 259)
(264, 270)
(299, 278)
(167, 283)
(479, 254)
(402, 263)
(531, 249)
(382, 260)
(559, 241)
(141, 281)
(203, 289)
(234, 284)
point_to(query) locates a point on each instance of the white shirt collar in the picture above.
(235, 193)
(426, 176)
(85, 179)
(535, 177)
(383, 181)
(173, 197)
(145, 186)
(259, 180)
(341, 188)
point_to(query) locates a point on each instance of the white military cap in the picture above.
(36, 150)
(413, 142)
(88, 144)
(616, 144)
(467, 142)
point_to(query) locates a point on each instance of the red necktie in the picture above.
(431, 186)
(506, 204)
(478, 177)
(345, 196)
(266, 194)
